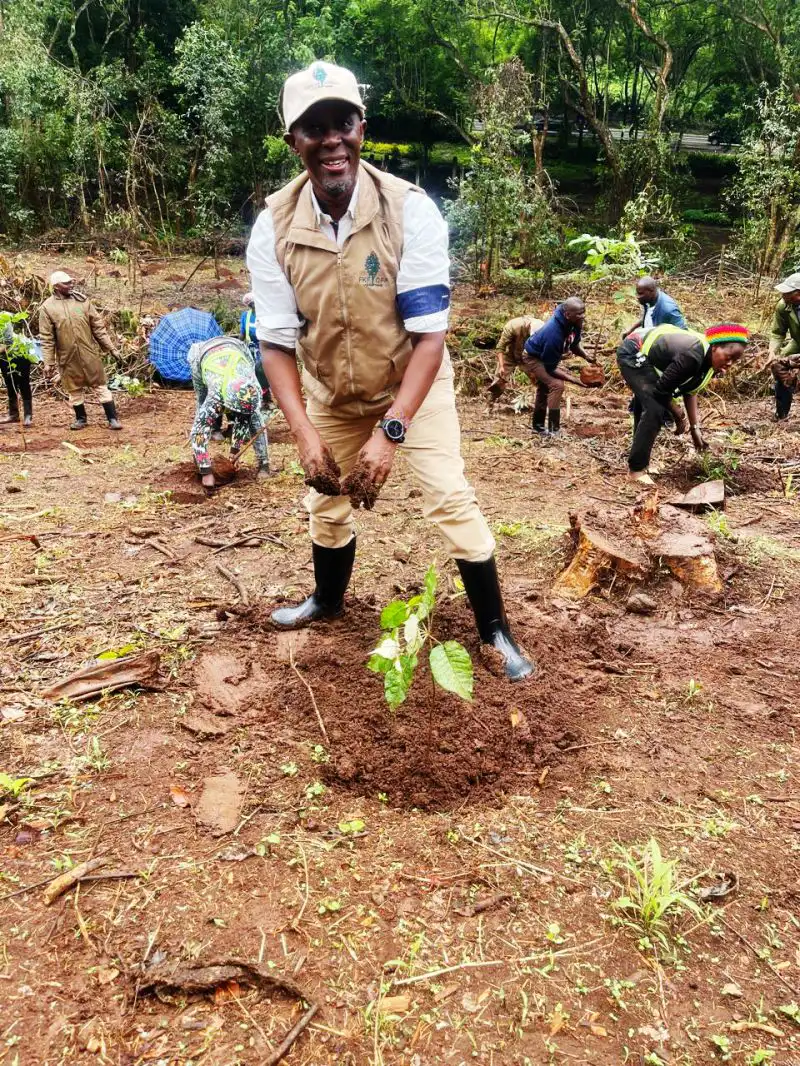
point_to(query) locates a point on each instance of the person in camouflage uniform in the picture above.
(785, 354)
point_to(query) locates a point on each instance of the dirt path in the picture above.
(359, 869)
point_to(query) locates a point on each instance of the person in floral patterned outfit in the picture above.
(224, 379)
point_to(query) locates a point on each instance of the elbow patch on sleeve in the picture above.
(427, 300)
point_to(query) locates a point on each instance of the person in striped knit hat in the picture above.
(665, 363)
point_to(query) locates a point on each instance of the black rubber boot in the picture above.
(332, 570)
(111, 414)
(80, 417)
(483, 592)
(554, 420)
(537, 420)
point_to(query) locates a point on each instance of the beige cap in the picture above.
(60, 277)
(320, 81)
(248, 299)
(790, 284)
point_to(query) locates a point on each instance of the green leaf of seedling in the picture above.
(451, 667)
(394, 614)
(378, 664)
(117, 653)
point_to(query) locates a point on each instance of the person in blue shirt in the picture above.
(544, 351)
(658, 308)
(247, 332)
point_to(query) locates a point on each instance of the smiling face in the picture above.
(724, 355)
(792, 299)
(328, 139)
(64, 288)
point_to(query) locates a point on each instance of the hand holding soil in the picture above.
(367, 477)
(321, 469)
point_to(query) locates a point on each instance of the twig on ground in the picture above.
(485, 904)
(64, 882)
(234, 580)
(522, 863)
(293, 664)
(787, 984)
(450, 969)
(285, 1046)
(306, 890)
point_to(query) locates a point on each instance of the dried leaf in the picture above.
(515, 718)
(731, 989)
(394, 1004)
(180, 797)
(106, 975)
(598, 1030)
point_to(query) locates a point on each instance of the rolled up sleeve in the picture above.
(277, 318)
(423, 277)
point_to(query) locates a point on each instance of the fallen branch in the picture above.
(522, 863)
(65, 881)
(234, 580)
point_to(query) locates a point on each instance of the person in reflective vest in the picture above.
(666, 362)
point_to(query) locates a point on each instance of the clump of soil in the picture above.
(435, 751)
(361, 489)
(745, 479)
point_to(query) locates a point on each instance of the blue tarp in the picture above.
(173, 336)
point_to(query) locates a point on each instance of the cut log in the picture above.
(597, 557)
(706, 497)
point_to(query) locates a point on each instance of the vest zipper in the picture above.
(345, 318)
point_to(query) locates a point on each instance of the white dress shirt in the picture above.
(423, 273)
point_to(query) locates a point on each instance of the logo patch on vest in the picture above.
(373, 277)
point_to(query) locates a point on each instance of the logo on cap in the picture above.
(320, 75)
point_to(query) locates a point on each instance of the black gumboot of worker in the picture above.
(482, 586)
(554, 421)
(783, 401)
(332, 570)
(537, 421)
(111, 414)
(81, 421)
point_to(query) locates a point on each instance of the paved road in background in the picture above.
(691, 142)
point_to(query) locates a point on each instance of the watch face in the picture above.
(394, 429)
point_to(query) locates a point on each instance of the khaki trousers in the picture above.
(432, 449)
(98, 393)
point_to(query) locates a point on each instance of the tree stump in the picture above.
(685, 549)
(596, 557)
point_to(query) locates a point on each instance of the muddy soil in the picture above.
(476, 849)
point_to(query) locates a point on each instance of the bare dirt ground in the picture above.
(443, 881)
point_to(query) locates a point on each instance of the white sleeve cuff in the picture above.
(435, 323)
(283, 338)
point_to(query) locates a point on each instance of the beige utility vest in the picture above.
(353, 344)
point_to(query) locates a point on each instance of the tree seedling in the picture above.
(407, 624)
(651, 894)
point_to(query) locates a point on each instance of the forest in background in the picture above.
(157, 119)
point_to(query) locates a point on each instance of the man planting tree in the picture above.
(349, 268)
(544, 351)
(662, 363)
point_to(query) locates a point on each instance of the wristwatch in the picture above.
(395, 427)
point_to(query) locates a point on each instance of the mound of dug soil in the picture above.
(435, 751)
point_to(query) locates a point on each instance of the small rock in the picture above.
(402, 554)
(640, 603)
(13, 488)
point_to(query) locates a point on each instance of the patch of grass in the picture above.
(718, 523)
(76, 718)
(757, 549)
(651, 895)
